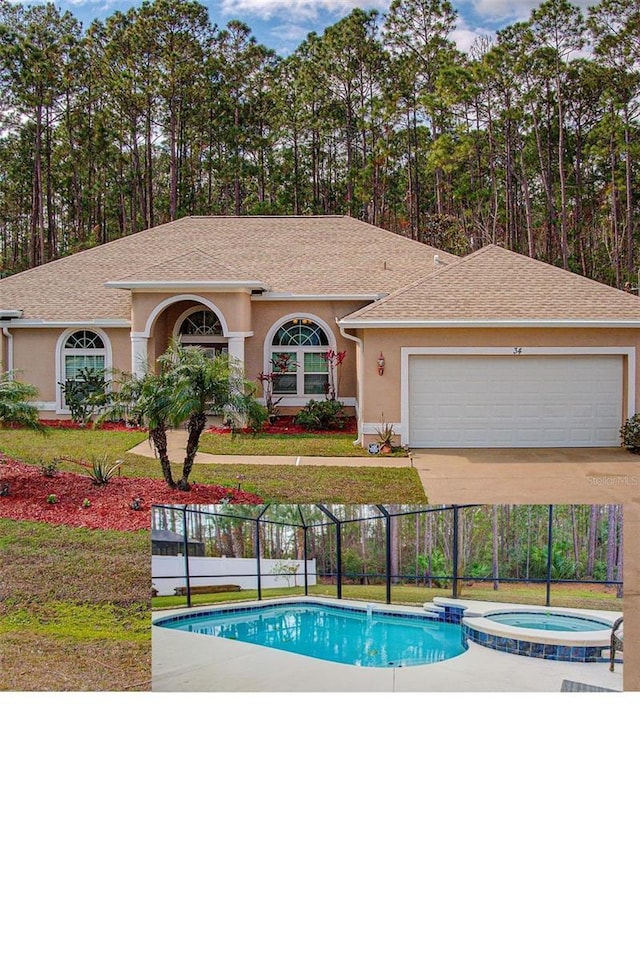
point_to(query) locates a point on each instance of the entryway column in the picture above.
(235, 344)
(139, 354)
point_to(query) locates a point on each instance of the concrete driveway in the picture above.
(545, 475)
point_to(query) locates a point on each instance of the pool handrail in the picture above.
(616, 644)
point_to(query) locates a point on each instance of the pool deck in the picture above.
(195, 662)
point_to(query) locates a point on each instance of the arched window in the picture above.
(202, 328)
(201, 323)
(83, 350)
(298, 358)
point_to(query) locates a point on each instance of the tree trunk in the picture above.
(158, 437)
(196, 425)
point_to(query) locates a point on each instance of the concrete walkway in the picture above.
(176, 449)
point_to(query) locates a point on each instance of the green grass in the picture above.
(267, 444)
(75, 613)
(592, 596)
(284, 484)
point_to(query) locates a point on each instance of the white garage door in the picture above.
(515, 401)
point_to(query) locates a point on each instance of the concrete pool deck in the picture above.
(196, 662)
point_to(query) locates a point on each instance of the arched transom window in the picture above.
(83, 350)
(201, 323)
(203, 328)
(298, 357)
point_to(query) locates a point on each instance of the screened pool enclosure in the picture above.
(391, 553)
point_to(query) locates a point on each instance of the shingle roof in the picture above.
(194, 265)
(306, 255)
(496, 284)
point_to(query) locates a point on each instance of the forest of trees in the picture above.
(529, 140)
(494, 542)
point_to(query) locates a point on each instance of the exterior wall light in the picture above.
(381, 364)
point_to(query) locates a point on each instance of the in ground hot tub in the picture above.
(548, 634)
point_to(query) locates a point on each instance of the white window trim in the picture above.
(60, 366)
(298, 399)
(406, 352)
(181, 298)
(194, 338)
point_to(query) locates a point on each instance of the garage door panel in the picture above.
(539, 401)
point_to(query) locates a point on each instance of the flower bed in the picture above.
(286, 425)
(109, 505)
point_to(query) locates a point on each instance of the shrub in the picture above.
(86, 504)
(49, 468)
(85, 394)
(102, 470)
(322, 415)
(52, 498)
(630, 434)
(256, 415)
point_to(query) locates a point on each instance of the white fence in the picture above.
(167, 573)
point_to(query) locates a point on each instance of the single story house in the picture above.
(489, 350)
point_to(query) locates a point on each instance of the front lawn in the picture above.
(285, 484)
(74, 606)
(283, 445)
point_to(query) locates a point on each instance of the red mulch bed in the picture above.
(110, 504)
(286, 425)
(72, 425)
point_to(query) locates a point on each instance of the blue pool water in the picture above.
(339, 634)
(541, 620)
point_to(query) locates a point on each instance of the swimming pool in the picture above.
(363, 636)
(546, 620)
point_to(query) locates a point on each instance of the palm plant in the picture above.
(198, 384)
(147, 402)
(188, 385)
(16, 403)
(16, 406)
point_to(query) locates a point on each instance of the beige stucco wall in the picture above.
(244, 315)
(269, 313)
(234, 307)
(381, 394)
(34, 356)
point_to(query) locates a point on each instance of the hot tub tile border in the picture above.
(540, 651)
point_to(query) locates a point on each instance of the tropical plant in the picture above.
(188, 385)
(281, 365)
(385, 433)
(85, 394)
(102, 470)
(335, 359)
(197, 383)
(16, 403)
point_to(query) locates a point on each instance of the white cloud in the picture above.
(500, 11)
(464, 37)
(296, 9)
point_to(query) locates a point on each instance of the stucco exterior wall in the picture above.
(34, 358)
(381, 399)
(271, 312)
(243, 315)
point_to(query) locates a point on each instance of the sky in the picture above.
(283, 24)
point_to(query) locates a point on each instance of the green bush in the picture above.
(322, 415)
(256, 415)
(630, 434)
(86, 394)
